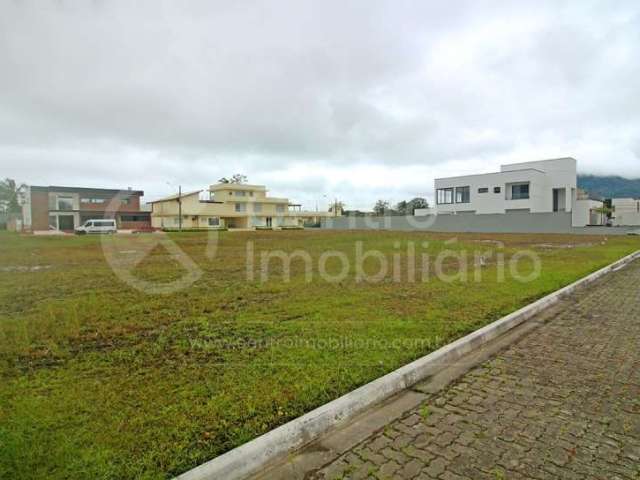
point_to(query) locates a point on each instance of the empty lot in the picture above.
(103, 380)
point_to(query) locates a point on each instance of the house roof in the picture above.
(506, 172)
(237, 186)
(85, 190)
(544, 160)
(176, 196)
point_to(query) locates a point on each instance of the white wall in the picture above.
(626, 211)
(543, 176)
(491, 202)
(584, 214)
(26, 209)
(561, 173)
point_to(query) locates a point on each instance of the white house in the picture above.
(626, 211)
(529, 187)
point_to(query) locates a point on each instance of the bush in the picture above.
(291, 227)
(173, 230)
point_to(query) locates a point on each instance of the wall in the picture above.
(491, 202)
(583, 214)
(552, 222)
(39, 210)
(560, 173)
(626, 211)
(543, 176)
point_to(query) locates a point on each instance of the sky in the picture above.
(355, 100)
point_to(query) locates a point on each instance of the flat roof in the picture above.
(236, 186)
(538, 161)
(493, 173)
(110, 191)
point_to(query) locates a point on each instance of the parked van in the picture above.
(98, 225)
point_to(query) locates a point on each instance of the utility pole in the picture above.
(180, 207)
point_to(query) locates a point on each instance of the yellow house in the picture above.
(229, 205)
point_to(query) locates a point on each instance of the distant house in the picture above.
(228, 205)
(626, 211)
(64, 208)
(543, 186)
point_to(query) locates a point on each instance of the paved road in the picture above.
(563, 402)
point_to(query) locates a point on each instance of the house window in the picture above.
(92, 200)
(241, 207)
(462, 195)
(65, 203)
(133, 218)
(497, 189)
(520, 191)
(483, 190)
(444, 196)
(214, 221)
(125, 201)
(257, 207)
(240, 193)
(280, 208)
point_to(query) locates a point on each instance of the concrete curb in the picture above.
(253, 456)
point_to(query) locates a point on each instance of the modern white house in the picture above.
(626, 211)
(542, 186)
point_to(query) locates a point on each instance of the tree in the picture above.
(414, 203)
(381, 207)
(337, 207)
(10, 194)
(401, 207)
(237, 178)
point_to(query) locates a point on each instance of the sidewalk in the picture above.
(562, 402)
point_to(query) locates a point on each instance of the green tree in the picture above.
(407, 208)
(237, 178)
(401, 208)
(414, 203)
(381, 207)
(10, 193)
(337, 207)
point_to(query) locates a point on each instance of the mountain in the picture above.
(610, 186)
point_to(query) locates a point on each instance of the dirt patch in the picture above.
(24, 268)
(564, 245)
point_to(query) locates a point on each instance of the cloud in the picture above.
(360, 100)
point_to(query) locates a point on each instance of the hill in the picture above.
(609, 186)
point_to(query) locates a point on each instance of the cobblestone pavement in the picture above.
(563, 402)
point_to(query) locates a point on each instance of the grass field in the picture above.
(102, 381)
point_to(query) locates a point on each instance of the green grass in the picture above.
(100, 380)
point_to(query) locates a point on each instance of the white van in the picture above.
(98, 225)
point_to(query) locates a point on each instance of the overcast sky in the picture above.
(355, 99)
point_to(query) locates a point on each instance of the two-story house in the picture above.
(542, 186)
(64, 208)
(229, 205)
